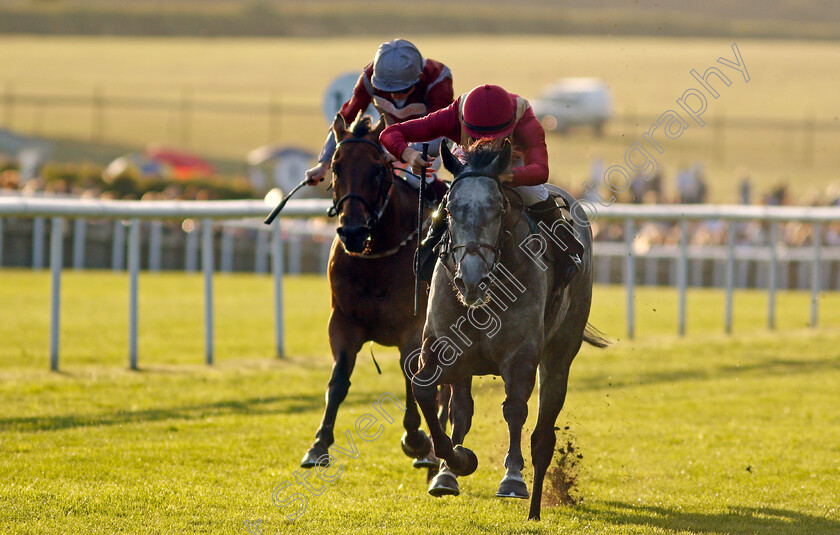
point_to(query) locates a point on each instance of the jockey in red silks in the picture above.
(490, 112)
(402, 85)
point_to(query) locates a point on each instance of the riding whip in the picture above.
(274, 213)
(419, 232)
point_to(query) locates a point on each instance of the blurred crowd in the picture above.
(94, 187)
(690, 185)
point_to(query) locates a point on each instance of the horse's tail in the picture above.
(594, 337)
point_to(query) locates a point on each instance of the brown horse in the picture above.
(371, 275)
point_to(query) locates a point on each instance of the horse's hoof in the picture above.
(444, 484)
(317, 455)
(465, 461)
(429, 461)
(512, 486)
(418, 446)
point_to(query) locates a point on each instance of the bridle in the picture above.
(376, 210)
(476, 247)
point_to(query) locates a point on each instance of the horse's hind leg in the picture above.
(543, 439)
(345, 342)
(519, 373)
(445, 482)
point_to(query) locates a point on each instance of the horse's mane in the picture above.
(481, 154)
(361, 126)
(479, 157)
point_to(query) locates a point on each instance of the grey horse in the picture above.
(496, 307)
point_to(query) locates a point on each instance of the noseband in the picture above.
(382, 198)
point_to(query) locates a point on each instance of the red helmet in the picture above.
(489, 112)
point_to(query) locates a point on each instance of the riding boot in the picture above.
(427, 247)
(560, 228)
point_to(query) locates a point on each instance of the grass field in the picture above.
(707, 434)
(788, 80)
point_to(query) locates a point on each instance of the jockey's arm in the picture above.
(360, 100)
(529, 135)
(442, 123)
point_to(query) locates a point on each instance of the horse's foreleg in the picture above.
(431, 461)
(415, 441)
(519, 373)
(460, 460)
(424, 385)
(345, 343)
(445, 483)
(462, 410)
(444, 395)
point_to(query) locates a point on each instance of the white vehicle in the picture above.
(574, 102)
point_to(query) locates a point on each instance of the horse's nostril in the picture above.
(353, 238)
(352, 233)
(459, 283)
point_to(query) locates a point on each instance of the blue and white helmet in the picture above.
(397, 66)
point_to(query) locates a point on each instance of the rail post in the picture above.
(772, 275)
(730, 275)
(56, 262)
(133, 272)
(815, 273)
(682, 276)
(277, 272)
(630, 276)
(207, 267)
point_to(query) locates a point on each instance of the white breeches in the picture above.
(532, 194)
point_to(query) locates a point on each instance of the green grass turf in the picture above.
(789, 80)
(705, 434)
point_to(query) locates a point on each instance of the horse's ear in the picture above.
(502, 161)
(379, 127)
(339, 127)
(450, 162)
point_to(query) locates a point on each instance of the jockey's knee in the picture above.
(531, 195)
